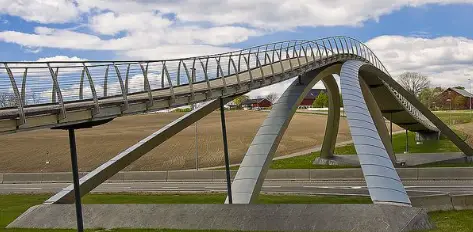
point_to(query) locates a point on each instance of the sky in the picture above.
(432, 37)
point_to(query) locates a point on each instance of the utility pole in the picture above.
(469, 83)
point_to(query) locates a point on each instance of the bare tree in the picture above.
(272, 97)
(414, 82)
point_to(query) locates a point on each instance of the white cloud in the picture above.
(174, 51)
(268, 14)
(42, 11)
(60, 58)
(447, 60)
(111, 23)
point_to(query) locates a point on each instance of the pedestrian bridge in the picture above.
(64, 94)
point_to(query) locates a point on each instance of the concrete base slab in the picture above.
(288, 217)
(408, 159)
(340, 160)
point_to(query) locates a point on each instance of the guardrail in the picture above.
(460, 173)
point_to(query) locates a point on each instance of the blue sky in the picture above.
(434, 37)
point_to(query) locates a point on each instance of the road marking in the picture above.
(166, 187)
(272, 186)
(214, 187)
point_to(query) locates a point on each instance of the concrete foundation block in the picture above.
(249, 217)
(427, 136)
(288, 174)
(145, 176)
(433, 202)
(462, 202)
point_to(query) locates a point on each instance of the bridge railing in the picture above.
(29, 84)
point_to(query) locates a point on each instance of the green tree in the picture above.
(239, 100)
(425, 96)
(321, 101)
(431, 97)
(459, 102)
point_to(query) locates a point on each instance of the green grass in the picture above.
(455, 116)
(449, 221)
(399, 146)
(11, 206)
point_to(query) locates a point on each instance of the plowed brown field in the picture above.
(30, 151)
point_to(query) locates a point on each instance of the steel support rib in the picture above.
(333, 119)
(125, 158)
(250, 176)
(382, 180)
(378, 119)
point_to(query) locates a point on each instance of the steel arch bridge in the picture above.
(71, 93)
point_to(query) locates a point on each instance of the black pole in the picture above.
(75, 176)
(407, 141)
(225, 150)
(391, 127)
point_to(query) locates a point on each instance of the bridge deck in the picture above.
(49, 115)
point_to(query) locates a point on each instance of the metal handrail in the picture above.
(68, 87)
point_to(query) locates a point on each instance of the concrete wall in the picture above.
(443, 202)
(448, 173)
(433, 202)
(461, 202)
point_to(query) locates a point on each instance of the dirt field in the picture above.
(30, 151)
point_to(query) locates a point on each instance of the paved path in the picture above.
(298, 187)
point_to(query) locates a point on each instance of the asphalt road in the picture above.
(414, 188)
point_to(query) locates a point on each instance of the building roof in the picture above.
(313, 93)
(254, 101)
(462, 92)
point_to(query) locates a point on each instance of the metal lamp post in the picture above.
(450, 111)
(194, 106)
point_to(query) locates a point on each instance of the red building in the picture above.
(256, 103)
(310, 98)
(455, 99)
